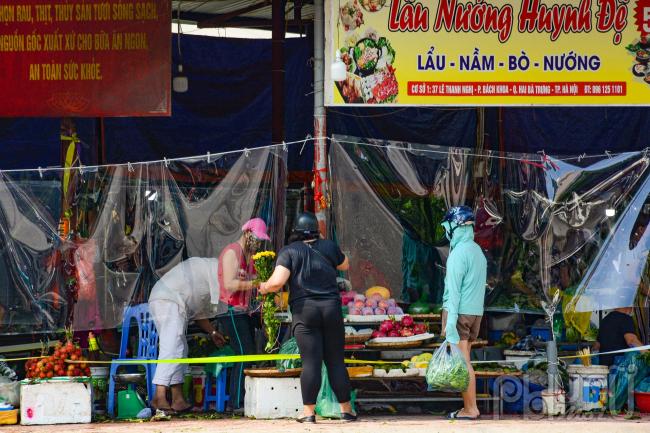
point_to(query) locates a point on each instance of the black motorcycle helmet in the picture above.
(306, 225)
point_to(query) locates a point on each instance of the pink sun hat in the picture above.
(258, 227)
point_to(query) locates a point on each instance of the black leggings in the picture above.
(320, 334)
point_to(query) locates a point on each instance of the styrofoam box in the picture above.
(55, 402)
(272, 398)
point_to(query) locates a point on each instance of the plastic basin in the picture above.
(642, 400)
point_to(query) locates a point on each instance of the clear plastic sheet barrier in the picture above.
(80, 258)
(568, 223)
(546, 224)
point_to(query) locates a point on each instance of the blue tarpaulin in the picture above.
(228, 106)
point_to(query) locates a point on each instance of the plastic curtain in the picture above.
(130, 225)
(543, 222)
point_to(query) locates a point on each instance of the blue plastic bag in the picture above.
(620, 376)
(644, 386)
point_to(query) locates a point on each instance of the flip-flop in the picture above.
(454, 416)
(161, 415)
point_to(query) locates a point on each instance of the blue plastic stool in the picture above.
(147, 349)
(220, 396)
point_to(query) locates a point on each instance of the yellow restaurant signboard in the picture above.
(489, 52)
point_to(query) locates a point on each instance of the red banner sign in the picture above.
(85, 58)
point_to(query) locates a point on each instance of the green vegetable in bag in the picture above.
(289, 347)
(327, 405)
(447, 370)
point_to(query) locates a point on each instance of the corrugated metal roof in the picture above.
(219, 7)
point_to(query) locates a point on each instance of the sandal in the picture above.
(161, 415)
(311, 419)
(455, 415)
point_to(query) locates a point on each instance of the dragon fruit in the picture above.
(393, 334)
(419, 329)
(378, 334)
(367, 311)
(407, 321)
(386, 326)
(346, 298)
(406, 332)
(380, 311)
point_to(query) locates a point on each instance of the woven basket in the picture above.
(272, 372)
(357, 339)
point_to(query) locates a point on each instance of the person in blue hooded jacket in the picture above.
(464, 295)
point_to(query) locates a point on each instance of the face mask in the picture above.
(449, 231)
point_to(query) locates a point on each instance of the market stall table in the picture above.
(390, 386)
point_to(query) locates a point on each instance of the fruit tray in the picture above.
(410, 372)
(375, 318)
(413, 338)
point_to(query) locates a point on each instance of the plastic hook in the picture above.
(609, 154)
(304, 143)
(166, 162)
(130, 167)
(40, 172)
(247, 152)
(208, 157)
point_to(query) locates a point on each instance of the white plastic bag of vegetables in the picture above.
(447, 370)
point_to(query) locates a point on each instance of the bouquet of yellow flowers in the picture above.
(263, 262)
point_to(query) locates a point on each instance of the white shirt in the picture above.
(193, 285)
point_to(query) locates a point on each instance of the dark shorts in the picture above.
(467, 326)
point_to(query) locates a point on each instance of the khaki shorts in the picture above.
(467, 326)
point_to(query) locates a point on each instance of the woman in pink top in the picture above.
(236, 278)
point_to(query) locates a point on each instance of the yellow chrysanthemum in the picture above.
(263, 254)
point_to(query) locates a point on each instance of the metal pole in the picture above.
(320, 132)
(553, 370)
(278, 11)
(277, 71)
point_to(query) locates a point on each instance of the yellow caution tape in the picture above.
(234, 359)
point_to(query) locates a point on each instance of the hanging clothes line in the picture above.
(213, 156)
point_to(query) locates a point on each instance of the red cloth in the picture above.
(240, 299)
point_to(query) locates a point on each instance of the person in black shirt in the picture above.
(310, 266)
(616, 332)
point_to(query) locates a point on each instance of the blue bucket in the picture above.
(516, 398)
